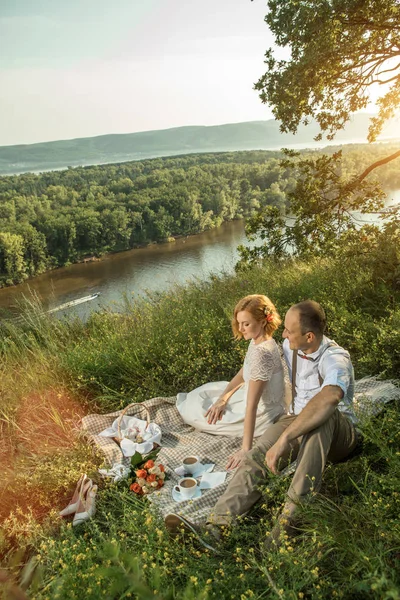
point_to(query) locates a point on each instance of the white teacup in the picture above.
(191, 464)
(186, 488)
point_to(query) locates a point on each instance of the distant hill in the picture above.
(253, 135)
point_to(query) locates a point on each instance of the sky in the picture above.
(80, 68)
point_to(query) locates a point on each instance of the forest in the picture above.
(57, 218)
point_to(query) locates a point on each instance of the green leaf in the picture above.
(136, 459)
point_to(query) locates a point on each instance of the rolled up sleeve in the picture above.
(337, 370)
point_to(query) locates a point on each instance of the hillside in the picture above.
(54, 372)
(180, 140)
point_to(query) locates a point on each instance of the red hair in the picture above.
(262, 309)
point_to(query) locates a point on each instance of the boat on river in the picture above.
(74, 302)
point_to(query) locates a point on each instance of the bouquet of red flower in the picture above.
(149, 478)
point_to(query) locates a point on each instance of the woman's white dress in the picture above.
(262, 362)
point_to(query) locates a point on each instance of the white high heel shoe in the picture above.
(81, 489)
(87, 507)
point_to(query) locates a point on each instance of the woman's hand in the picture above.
(216, 411)
(235, 459)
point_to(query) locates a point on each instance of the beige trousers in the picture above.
(333, 441)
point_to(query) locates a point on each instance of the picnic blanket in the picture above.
(180, 440)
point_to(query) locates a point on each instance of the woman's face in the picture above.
(248, 326)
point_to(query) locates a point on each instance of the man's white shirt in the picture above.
(334, 366)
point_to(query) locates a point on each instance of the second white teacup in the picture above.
(191, 464)
(186, 488)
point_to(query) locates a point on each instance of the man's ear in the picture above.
(310, 337)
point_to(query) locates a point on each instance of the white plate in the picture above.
(178, 498)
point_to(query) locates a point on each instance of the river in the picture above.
(154, 268)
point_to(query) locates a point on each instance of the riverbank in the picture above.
(58, 218)
(154, 268)
(160, 345)
(87, 260)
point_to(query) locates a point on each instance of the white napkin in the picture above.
(211, 480)
(117, 472)
(128, 446)
(199, 471)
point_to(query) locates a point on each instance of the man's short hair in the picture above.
(312, 317)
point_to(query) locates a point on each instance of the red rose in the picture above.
(141, 474)
(135, 487)
(149, 464)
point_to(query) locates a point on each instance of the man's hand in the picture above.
(274, 454)
(216, 411)
(235, 459)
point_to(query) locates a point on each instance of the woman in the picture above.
(254, 398)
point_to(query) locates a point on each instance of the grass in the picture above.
(53, 372)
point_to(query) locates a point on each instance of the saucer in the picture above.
(198, 472)
(178, 498)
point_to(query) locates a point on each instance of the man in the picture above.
(318, 427)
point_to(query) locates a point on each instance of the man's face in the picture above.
(292, 331)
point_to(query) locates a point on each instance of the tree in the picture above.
(115, 230)
(88, 230)
(36, 259)
(12, 265)
(339, 50)
(60, 233)
(319, 212)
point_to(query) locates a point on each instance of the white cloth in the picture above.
(212, 480)
(334, 366)
(262, 362)
(117, 472)
(128, 428)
